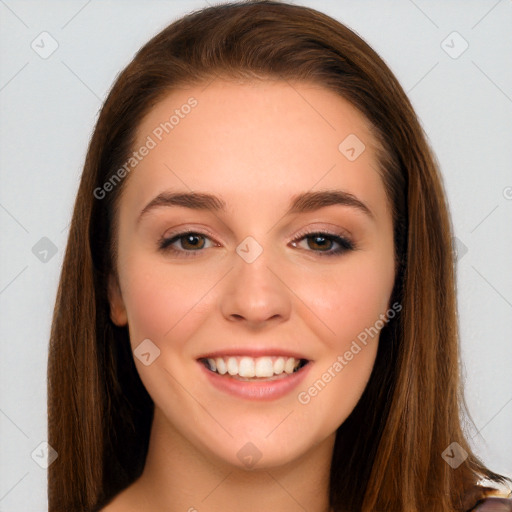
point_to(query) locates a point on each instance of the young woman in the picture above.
(257, 303)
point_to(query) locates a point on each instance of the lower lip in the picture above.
(257, 390)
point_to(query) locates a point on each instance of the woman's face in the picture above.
(254, 232)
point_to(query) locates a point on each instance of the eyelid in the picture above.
(344, 238)
(338, 232)
(187, 229)
(345, 243)
(343, 233)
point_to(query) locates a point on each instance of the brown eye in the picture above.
(192, 241)
(319, 242)
(185, 243)
(324, 244)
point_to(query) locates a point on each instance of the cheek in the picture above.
(352, 302)
(350, 299)
(157, 299)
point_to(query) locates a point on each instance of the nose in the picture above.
(255, 294)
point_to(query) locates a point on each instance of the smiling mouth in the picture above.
(246, 368)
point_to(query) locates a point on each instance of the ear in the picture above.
(117, 309)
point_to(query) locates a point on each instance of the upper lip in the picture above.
(252, 352)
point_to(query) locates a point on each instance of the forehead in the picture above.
(257, 140)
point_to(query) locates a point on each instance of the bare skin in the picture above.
(256, 146)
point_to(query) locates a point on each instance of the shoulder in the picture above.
(494, 504)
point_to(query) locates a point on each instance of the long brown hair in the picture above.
(387, 454)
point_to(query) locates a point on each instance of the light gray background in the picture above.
(48, 110)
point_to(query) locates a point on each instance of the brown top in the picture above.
(493, 505)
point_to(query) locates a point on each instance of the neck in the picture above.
(178, 477)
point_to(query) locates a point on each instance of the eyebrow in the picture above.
(301, 203)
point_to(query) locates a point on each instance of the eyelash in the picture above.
(165, 244)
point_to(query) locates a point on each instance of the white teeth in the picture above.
(221, 365)
(289, 365)
(264, 367)
(248, 367)
(279, 365)
(232, 366)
